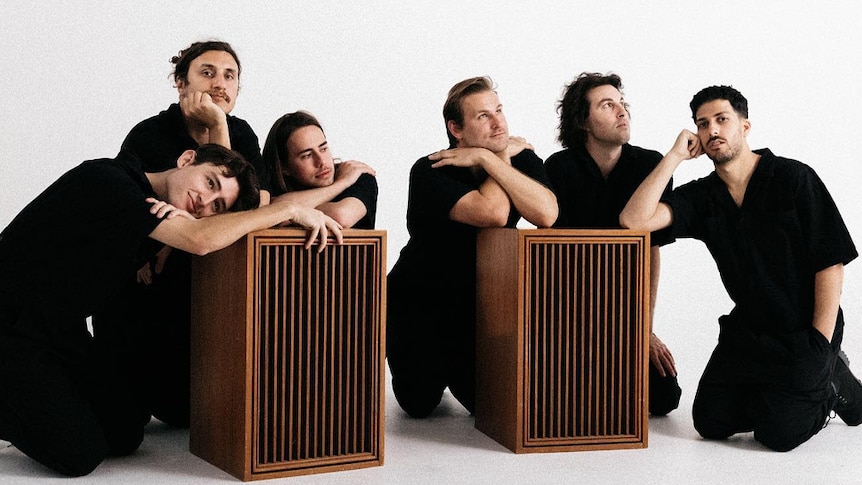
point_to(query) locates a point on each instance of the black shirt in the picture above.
(587, 200)
(364, 189)
(160, 140)
(440, 250)
(769, 249)
(66, 252)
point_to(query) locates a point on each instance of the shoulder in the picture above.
(640, 154)
(240, 125)
(560, 158)
(786, 168)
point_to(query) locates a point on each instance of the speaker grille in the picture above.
(582, 324)
(317, 353)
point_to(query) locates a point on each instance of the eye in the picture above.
(211, 183)
(217, 207)
(207, 73)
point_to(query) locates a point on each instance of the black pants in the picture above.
(664, 392)
(147, 328)
(777, 386)
(431, 345)
(64, 413)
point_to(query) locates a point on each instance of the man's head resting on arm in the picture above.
(230, 165)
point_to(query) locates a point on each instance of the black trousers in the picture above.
(147, 328)
(777, 386)
(431, 345)
(664, 392)
(68, 414)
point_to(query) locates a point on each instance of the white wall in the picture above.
(76, 76)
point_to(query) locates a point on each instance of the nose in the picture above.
(318, 159)
(206, 201)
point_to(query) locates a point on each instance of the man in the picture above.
(484, 179)
(302, 170)
(206, 76)
(63, 401)
(593, 179)
(780, 246)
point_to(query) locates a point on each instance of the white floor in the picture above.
(447, 449)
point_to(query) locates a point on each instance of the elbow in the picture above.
(345, 218)
(200, 246)
(626, 221)
(497, 216)
(547, 218)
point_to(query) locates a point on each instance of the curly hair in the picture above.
(183, 60)
(574, 109)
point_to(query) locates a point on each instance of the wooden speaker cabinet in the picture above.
(288, 355)
(562, 338)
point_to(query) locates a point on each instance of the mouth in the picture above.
(714, 143)
(191, 209)
(323, 174)
(219, 95)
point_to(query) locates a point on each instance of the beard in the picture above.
(722, 157)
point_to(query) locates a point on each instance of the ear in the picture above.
(187, 158)
(180, 84)
(746, 126)
(454, 129)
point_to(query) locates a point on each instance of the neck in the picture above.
(158, 181)
(736, 173)
(605, 155)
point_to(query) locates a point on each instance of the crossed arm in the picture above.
(347, 211)
(201, 236)
(489, 205)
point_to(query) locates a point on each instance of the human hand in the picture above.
(164, 210)
(518, 144)
(459, 157)
(144, 274)
(350, 170)
(687, 146)
(317, 223)
(199, 107)
(661, 357)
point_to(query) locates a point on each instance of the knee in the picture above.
(74, 461)
(417, 401)
(711, 430)
(778, 439)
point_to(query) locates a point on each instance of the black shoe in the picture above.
(848, 402)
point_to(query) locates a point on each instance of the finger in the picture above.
(323, 235)
(312, 236)
(336, 230)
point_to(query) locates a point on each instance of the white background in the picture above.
(76, 76)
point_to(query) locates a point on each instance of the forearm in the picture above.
(219, 134)
(827, 298)
(346, 212)
(654, 272)
(642, 210)
(534, 201)
(202, 236)
(313, 197)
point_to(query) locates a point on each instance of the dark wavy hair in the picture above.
(233, 165)
(574, 109)
(275, 148)
(184, 58)
(735, 98)
(452, 109)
